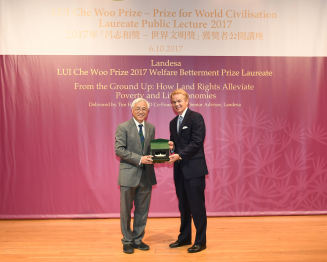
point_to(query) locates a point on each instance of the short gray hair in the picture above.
(139, 100)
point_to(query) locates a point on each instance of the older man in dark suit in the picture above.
(187, 133)
(136, 174)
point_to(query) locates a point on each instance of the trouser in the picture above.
(191, 203)
(140, 195)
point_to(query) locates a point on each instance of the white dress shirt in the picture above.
(138, 128)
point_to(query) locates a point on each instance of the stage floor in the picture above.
(262, 239)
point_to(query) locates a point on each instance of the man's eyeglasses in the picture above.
(141, 109)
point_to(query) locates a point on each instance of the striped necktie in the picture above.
(180, 120)
(141, 135)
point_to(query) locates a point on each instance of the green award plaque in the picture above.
(160, 150)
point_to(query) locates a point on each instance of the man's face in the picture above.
(179, 103)
(140, 111)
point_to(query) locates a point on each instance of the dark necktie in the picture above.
(141, 135)
(180, 120)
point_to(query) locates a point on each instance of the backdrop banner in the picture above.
(265, 145)
(69, 71)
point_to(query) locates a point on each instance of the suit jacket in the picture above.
(189, 145)
(129, 148)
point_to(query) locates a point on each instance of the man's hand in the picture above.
(147, 160)
(173, 158)
(171, 145)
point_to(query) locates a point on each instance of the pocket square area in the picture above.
(184, 127)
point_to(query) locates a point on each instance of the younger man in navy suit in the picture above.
(187, 133)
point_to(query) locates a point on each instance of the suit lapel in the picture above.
(187, 115)
(174, 127)
(147, 135)
(135, 133)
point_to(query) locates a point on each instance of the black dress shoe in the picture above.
(178, 243)
(141, 246)
(128, 249)
(196, 248)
